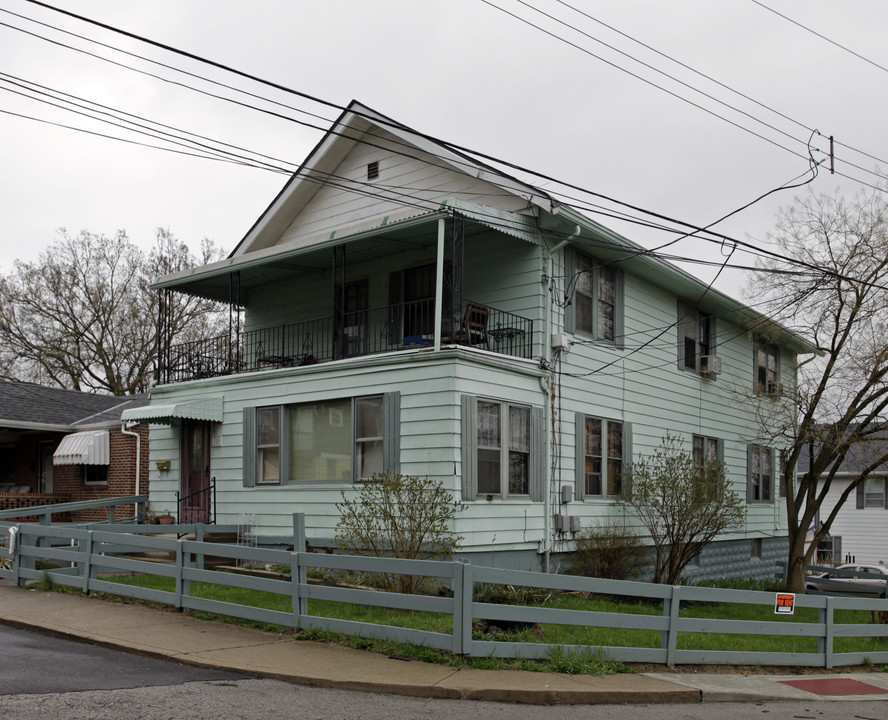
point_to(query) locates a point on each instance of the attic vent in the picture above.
(373, 170)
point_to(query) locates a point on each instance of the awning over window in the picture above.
(209, 409)
(83, 448)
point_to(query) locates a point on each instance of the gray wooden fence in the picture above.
(87, 556)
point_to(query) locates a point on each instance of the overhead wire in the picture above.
(446, 145)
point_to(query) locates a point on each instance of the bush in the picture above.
(399, 516)
(610, 551)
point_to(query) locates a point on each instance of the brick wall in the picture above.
(69, 479)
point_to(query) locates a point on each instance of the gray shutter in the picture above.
(538, 474)
(749, 452)
(627, 454)
(619, 309)
(391, 439)
(837, 550)
(249, 446)
(772, 495)
(469, 434)
(570, 285)
(713, 335)
(580, 455)
(885, 492)
(680, 338)
(860, 496)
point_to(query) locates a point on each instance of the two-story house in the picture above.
(400, 306)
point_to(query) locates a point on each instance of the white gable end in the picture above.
(410, 182)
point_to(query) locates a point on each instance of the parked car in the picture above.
(855, 579)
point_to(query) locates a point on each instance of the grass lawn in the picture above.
(594, 637)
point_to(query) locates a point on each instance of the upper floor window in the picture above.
(502, 449)
(759, 474)
(329, 441)
(696, 339)
(596, 305)
(602, 449)
(871, 493)
(766, 363)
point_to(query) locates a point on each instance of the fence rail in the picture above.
(86, 556)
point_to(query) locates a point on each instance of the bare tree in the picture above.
(842, 392)
(83, 317)
(682, 505)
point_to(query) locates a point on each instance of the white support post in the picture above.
(439, 283)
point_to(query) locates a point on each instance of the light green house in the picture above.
(402, 307)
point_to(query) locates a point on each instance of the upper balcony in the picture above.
(391, 328)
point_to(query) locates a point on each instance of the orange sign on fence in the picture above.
(785, 604)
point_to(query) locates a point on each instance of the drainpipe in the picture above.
(548, 387)
(138, 438)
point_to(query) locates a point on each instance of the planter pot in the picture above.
(165, 519)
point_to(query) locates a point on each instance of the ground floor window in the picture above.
(336, 440)
(760, 474)
(95, 474)
(502, 449)
(602, 448)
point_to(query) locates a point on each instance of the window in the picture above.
(268, 445)
(596, 307)
(95, 474)
(602, 447)
(330, 441)
(708, 456)
(760, 474)
(696, 336)
(871, 493)
(502, 449)
(767, 370)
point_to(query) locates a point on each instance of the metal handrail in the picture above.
(211, 489)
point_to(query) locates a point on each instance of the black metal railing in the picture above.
(197, 507)
(402, 326)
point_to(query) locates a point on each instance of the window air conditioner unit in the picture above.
(775, 389)
(710, 365)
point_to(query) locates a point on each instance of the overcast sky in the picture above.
(461, 70)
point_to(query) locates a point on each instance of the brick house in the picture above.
(64, 446)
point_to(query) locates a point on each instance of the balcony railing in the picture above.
(403, 326)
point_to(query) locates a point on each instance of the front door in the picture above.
(194, 498)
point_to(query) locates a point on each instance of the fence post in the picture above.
(297, 570)
(87, 562)
(463, 593)
(829, 631)
(180, 561)
(16, 558)
(671, 606)
(199, 537)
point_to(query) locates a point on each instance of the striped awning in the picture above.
(84, 448)
(208, 409)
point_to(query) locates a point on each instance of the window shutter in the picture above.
(570, 285)
(619, 309)
(749, 451)
(538, 476)
(396, 297)
(627, 455)
(772, 491)
(713, 335)
(837, 549)
(469, 447)
(860, 495)
(885, 492)
(391, 438)
(680, 339)
(249, 446)
(580, 460)
(720, 450)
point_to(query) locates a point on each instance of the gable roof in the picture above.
(24, 405)
(272, 247)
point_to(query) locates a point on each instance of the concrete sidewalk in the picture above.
(182, 638)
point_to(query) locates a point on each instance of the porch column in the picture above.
(439, 283)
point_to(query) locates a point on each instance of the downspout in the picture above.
(138, 438)
(548, 387)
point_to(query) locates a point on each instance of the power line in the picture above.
(822, 37)
(458, 150)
